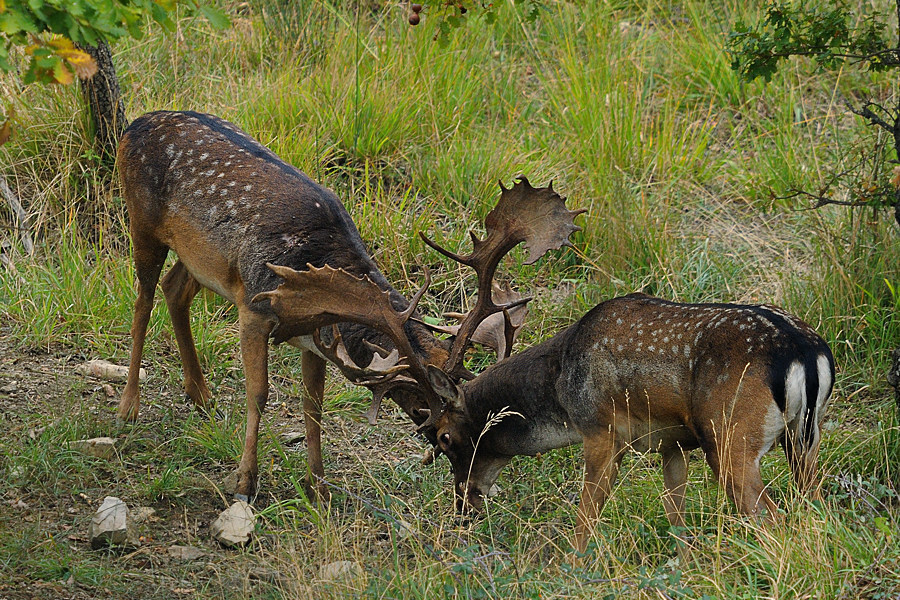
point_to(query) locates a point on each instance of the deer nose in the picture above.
(468, 499)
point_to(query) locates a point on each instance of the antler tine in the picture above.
(451, 255)
(380, 368)
(321, 296)
(536, 216)
(406, 314)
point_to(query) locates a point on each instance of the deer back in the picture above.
(227, 205)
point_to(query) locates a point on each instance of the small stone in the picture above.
(142, 514)
(234, 526)
(110, 526)
(404, 529)
(267, 575)
(101, 447)
(343, 571)
(186, 552)
(290, 438)
(10, 388)
(107, 370)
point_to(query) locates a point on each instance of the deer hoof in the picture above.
(318, 492)
(240, 485)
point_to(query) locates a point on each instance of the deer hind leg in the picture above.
(602, 456)
(735, 462)
(149, 257)
(255, 330)
(675, 472)
(804, 462)
(314, 385)
(179, 288)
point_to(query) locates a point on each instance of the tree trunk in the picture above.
(104, 97)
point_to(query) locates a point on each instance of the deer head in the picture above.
(309, 300)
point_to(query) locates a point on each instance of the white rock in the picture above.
(110, 525)
(404, 529)
(101, 447)
(234, 526)
(289, 438)
(107, 370)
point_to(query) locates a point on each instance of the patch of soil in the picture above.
(41, 391)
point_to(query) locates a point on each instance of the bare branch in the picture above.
(873, 118)
(19, 212)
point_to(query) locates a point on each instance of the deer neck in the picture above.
(516, 404)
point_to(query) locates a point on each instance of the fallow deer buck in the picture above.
(647, 374)
(228, 207)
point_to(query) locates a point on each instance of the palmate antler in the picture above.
(320, 297)
(381, 375)
(536, 216)
(499, 330)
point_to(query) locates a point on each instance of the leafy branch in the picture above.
(455, 14)
(49, 33)
(832, 36)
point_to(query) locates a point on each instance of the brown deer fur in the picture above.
(647, 374)
(200, 186)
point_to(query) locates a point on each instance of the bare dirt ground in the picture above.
(48, 496)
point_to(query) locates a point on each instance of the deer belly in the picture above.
(203, 259)
(305, 342)
(651, 436)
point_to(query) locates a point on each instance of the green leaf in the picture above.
(13, 22)
(216, 18)
(161, 16)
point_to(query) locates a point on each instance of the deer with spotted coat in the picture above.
(245, 223)
(645, 374)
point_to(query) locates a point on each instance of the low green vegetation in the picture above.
(632, 110)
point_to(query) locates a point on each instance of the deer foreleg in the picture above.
(148, 265)
(314, 384)
(675, 472)
(179, 288)
(255, 330)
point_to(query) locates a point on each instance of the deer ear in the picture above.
(445, 388)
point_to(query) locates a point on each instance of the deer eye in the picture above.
(445, 440)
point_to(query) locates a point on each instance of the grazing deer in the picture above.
(647, 374)
(228, 207)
